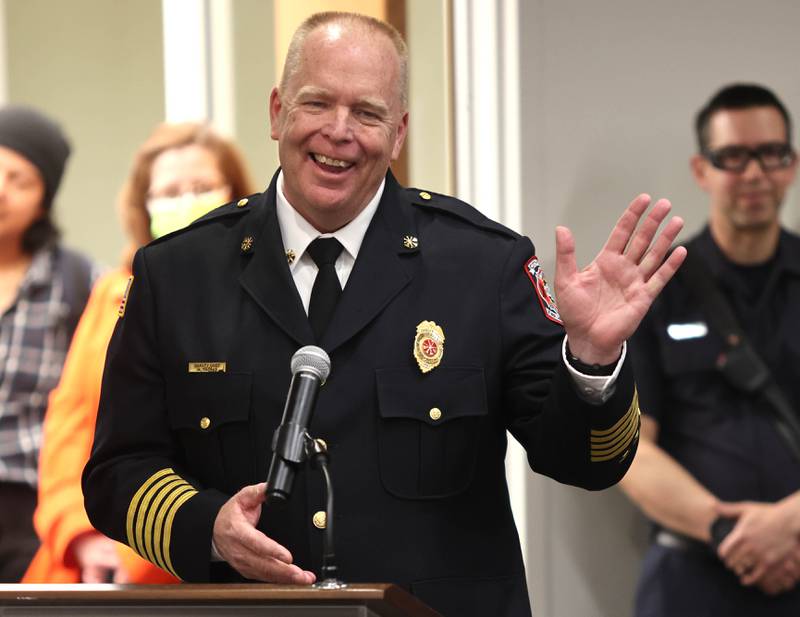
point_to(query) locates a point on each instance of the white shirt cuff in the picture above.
(594, 389)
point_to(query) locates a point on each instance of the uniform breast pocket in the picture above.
(429, 428)
(696, 355)
(210, 412)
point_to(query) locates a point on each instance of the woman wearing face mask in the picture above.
(180, 173)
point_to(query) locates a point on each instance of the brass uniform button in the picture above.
(425, 195)
(204, 423)
(320, 520)
(241, 203)
(435, 413)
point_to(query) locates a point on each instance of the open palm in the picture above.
(602, 305)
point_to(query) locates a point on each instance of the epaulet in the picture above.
(230, 209)
(456, 207)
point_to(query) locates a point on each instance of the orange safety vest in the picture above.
(68, 433)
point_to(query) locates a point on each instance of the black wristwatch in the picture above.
(593, 370)
(720, 528)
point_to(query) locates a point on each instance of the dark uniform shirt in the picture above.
(723, 437)
(417, 458)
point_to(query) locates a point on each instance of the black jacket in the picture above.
(725, 438)
(420, 502)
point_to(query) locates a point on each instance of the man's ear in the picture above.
(402, 130)
(275, 108)
(792, 169)
(699, 167)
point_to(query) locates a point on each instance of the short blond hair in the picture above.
(295, 52)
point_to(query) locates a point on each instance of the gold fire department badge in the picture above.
(428, 346)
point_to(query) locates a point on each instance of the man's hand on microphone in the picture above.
(247, 550)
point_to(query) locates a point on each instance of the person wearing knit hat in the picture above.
(43, 290)
(41, 142)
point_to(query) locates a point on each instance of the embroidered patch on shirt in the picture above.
(534, 271)
(124, 302)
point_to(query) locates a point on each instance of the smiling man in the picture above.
(338, 121)
(714, 470)
(442, 334)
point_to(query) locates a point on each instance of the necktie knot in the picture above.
(324, 251)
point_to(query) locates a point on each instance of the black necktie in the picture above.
(326, 291)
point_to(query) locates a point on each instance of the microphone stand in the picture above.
(317, 453)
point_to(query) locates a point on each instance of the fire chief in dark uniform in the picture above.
(197, 370)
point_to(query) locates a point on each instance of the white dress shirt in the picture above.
(298, 233)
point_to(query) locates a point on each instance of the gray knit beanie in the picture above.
(40, 140)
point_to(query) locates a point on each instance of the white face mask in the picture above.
(168, 214)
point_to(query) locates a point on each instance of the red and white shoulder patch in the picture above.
(534, 271)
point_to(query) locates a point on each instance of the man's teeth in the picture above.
(321, 158)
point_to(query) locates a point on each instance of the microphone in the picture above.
(310, 368)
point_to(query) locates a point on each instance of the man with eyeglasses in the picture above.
(713, 471)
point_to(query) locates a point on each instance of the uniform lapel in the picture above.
(266, 276)
(381, 270)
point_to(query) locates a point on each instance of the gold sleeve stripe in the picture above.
(604, 442)
(134, 505)
(611, 443)
(599, 454)
(621, 450)
(151, 513)
(608, 444)
(164, 494)
(144, 510)
(625, 432)
(168, 527)
(160, 556)
(632, 410)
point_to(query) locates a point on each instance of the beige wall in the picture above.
(96, 66)
(430, 130)
(254, 76)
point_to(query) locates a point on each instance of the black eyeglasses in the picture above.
(770, 156)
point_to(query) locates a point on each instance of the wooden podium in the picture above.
(357, 600)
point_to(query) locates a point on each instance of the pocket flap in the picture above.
(206, 401)
(435, 398)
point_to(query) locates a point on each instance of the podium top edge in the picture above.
(228, 591)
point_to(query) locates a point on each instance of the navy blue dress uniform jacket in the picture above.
(724, 438)
(420, 502)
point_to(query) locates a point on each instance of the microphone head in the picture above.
(311, 359)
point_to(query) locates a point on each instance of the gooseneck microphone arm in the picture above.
(318, 454)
